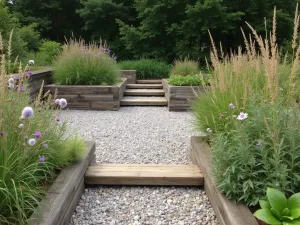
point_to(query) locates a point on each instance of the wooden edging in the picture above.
(180, 97)
(227, 211)
(57, 207)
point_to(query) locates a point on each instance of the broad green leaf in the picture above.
(295, 213)
(294, 222)
(294, 201)
(277, 200)
(267, 216)
(276, 214)
(264, 204)
(287, 218)
(286, 212)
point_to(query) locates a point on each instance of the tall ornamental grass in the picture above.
(147, 68)
(33, 145)
(185, 67)
(251, 115)
(86, 64)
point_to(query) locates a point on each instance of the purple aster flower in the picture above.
(57, 119)
(31, 141)
(27, 113)
(45, 146)
(21, 125)
(63, 103)
(29, 72)
(1, 133)
(22, 88)
(37, 134)
(232, 106)
(259, 143)
(242, 116)
(42, 159)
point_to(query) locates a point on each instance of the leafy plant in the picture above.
(278, 210)
(147, 68)
(186, 80)
(81, 64)
(50, 48)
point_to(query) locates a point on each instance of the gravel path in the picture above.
(139, 135)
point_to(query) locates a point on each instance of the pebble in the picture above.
(139, 135)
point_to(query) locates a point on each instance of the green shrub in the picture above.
(52, 49)
(40, 59)
(147, 68)
(31, 37)
(259, 152)
(187, 80)
(185, 67)
(32, 148)
(81, 64)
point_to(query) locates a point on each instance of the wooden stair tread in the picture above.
(145, 92)
(144, 101)
(151, 81)
(144, 86)
(144, 174)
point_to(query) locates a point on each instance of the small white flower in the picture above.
(11, 80)
(21, 125)
(208, 130)
(31, 141)
(63, 103)
(242, 116)
(11, 86)
(27, 113)
(232, 106)
(31, 62)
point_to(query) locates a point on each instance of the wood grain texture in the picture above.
(63, 195)
(90, 97)
(144, 174)
(150, 81)
(227, 211)
(144, 101)
(145, 86)
(180, 97)
(130, 75)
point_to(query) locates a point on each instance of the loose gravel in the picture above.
(139, 135)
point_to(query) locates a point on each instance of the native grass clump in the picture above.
(33, 143)
(86, 64)
(251, 116)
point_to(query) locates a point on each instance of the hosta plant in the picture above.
(278, 210)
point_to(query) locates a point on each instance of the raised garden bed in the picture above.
(90, 97)
(227, 211)
(130, 75)
(63, 196)
(180, 97)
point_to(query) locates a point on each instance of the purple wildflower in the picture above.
(21, 125)
(37, 134)
(57, 119)
(1, 133)
(42, 159)
(31, 141)
(31, 62)
(27, 113)
(22, 88)
(63, 103)
(242, 116)
(57, 101)
(29, 72)
(45, 146)
(232, 106)
(11, 85)
(11, 80)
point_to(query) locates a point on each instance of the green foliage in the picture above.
(186, 80)
(185, 67)
(52, 49)
(279, 210)
(258, 152)
(31, 37)
(147, 68)
(85, 65)
(40, 59)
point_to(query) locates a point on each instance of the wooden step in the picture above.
(142, 101)
(144, 174)
(144, 92)
(144, 86)
(149, 81)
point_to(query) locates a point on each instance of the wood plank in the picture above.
(227, 211)
(144, 92)
(145, 174)
(145, 86)
(155, 101)
(151, 81)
